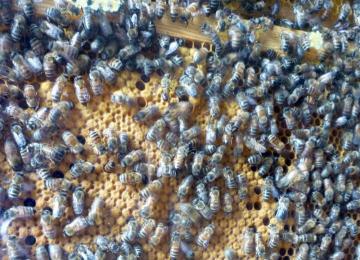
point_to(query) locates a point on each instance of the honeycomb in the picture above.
(122, 201)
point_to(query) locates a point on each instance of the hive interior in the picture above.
(122, 201)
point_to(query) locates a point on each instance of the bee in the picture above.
(55, 251)
(124, 144)
(329, 191)
(81, 167)
(218, 155)
(201, 192)
(51, 30)
(16, 187)
(179, 110)
(146, 169)
(276, 143)
(132, 158)
(307, 238)
(114, 64)
(94, 213)
(43, 173)
(12, 154)
(72, 142)
(307, 226)
(78, 224)
(159, 234)
(146, 114)
(41, 253)
(110, 166)
(180, 157)
(200, 55)
(152, 188)
(239, 146)
(20, 212)
(242, 186)
(156, 131)
(58, 184)
(165, 84)
(59, 110)
(34, 62)
(267, 188)
(131, 231)
(14, 248)
(96, 143)
(107, 73)
(205, 235)
(289, 119)
(175, 244)
(265, 166)
(210, 139)
(112, 140)
(58, 205)
(202, 208)
(229, 177)
(282, 208)
(147, 209)
(249, 245)
(303, 252)
(255, 146)
(185, 186)
(49, 64)
(214, 199)
(78, 200)
(191, 133)
(274, 236)
(260, 249)
(96, 82)
(353, 205)
(18, 135)
(81, 91)
(160, 8)
(227, 202)
(21, 66)
(18, 27)
(147, 227)
(47, 224)
(230, 254)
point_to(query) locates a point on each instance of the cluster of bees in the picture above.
(272, 91)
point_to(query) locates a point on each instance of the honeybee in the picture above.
(282, 208)
(77, 225)
(131, 178)
(243, 186)
(12, 154)
(56, 252)
(18, 135)
(202, 208)
(175, 245)
(78, 200)
(58, 184)
(21, 66)
(94, 214)
(34, 62)
(146, 228)
(120, 98)
(51, 30)
(260, 249)
(165, 86)
(81, 90)
(59, 110)
(152, 188)
(214, 199)
(197, 163)
(96, 143)
(249, 244)
(58, 88)
(276, 143)
(204, 237)
(147, 114)
(131, 231)
(159, 234)
(47, 224)
(227, 202)
(229, 177)
(132, 158)
(156, 131)
(80, 167)
(185, 186)
(14, 248)
(96, 82)
(274, 236)
(19, 212)
(18, 27)
(41, 253)
(72, 142)
(110, 166)
(58, 205)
